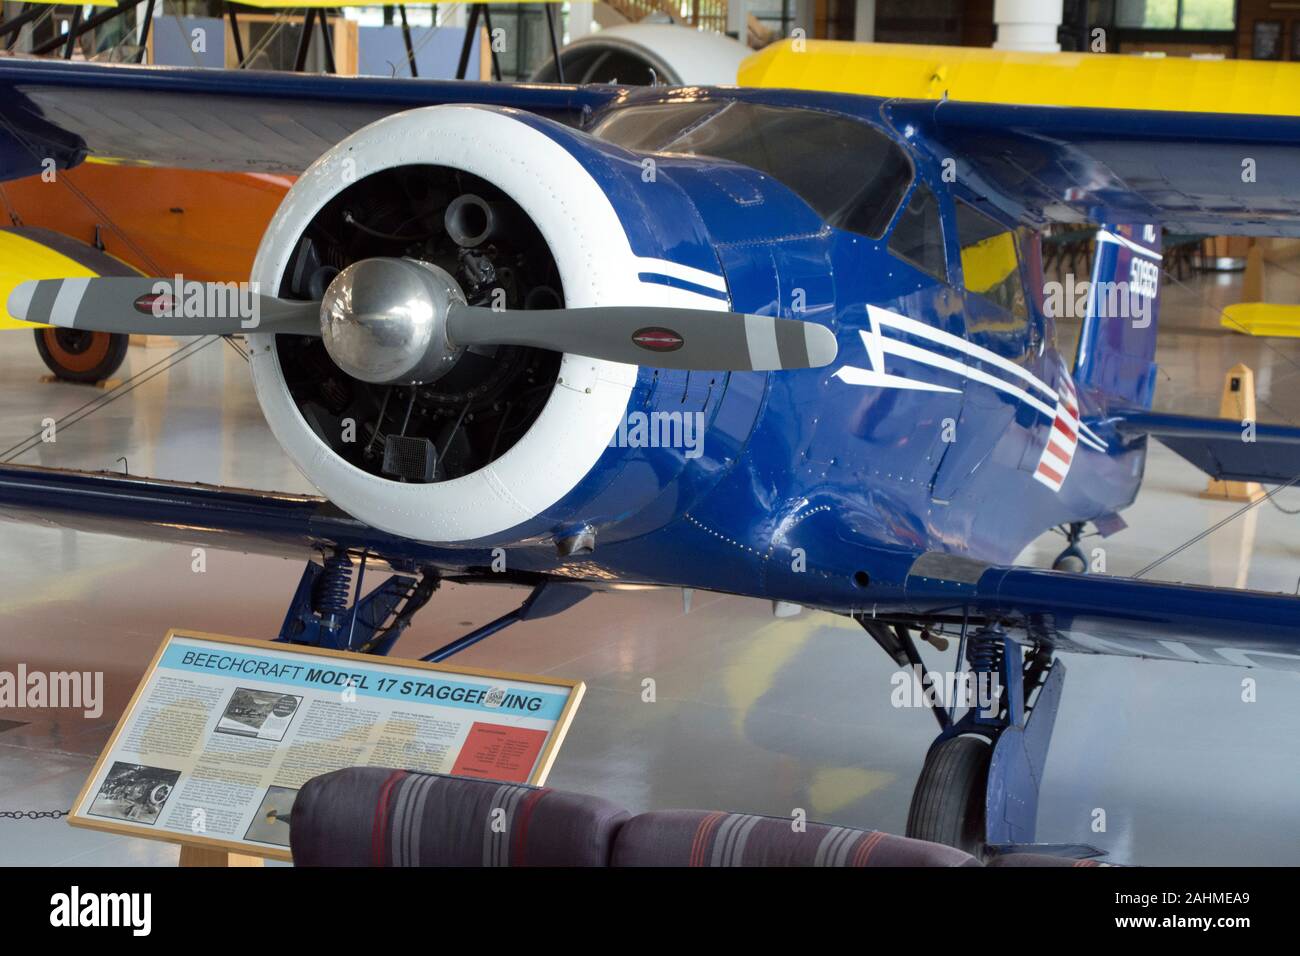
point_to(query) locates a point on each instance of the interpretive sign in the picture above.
(223, 731)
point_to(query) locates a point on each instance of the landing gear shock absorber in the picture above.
(331, 591)
(329, 610)
(985, 651)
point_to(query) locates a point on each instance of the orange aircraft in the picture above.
(103, 219)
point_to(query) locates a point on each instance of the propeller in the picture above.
(399, 321)
(139, 306)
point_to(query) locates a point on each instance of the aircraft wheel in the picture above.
(76, 355)
(948, 802)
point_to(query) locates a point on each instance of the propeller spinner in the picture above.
(400, 321)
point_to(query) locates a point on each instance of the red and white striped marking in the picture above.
(1062, 439)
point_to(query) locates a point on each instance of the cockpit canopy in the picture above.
(851, 174)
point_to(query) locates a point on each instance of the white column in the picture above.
(580, 19)
(738, 18)
(864, 21)
(1027, 25)
(805, 16)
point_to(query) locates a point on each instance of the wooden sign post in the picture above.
(207, 856)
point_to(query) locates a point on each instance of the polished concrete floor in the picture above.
(752, 713)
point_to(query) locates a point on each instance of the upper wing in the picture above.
(1200, 146)
(982, 75)
(1101, 614)
(235, 120)
(1191, 172)
(1211, 173)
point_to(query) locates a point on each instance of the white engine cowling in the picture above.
(595, 264)
(677, 55)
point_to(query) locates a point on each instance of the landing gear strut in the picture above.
(323, 614)
(1072, 558)
(320, 614)
(978, 789)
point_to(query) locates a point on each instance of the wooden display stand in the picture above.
(209, 856)
(154, 341)
(1238, 403)
(1225, 253)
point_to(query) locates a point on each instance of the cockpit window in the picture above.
(918, 237)
(990, 261)
(851, 174)
(647, 128)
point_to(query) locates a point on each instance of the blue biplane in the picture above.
(777, 344)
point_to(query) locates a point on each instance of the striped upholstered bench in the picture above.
(373, 817)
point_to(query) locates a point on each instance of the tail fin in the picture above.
(1117, 345)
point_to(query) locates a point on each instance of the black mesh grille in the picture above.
(410, 459)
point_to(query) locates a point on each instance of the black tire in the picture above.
(75, 355)
(948, 802)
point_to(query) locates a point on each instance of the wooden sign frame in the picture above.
(575, 690)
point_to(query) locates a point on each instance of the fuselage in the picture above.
(931, 430)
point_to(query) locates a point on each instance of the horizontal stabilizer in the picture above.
(1223, 448)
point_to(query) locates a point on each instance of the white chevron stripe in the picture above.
(1064, 407)
(877, 345)
(920, 329)
(1086, 431)
(1092, 443)
(678, 271)
(904, 350)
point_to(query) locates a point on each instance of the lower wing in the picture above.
(1095, 614)
(1102, 614)
(268, 523)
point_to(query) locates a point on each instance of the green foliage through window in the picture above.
(1177, 14)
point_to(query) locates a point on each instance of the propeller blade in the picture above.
(697, 339)
(139, 306)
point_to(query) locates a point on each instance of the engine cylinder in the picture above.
(471, 220)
